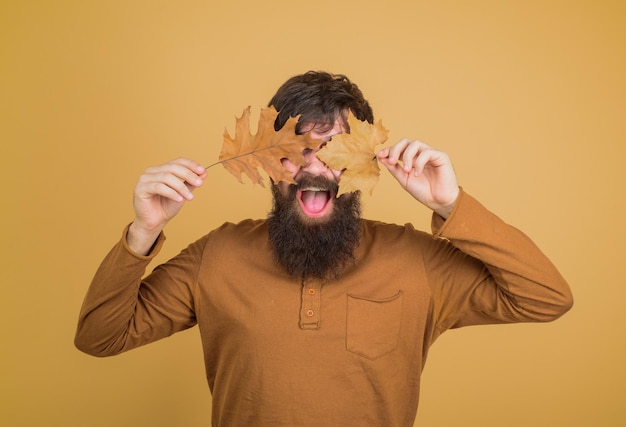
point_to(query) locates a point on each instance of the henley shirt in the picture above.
(341, 352)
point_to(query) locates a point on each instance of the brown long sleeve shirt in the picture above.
(346, 352)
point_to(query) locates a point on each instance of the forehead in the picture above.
(323, 123)
(324, 130)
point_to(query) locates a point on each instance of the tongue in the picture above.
(314, 201)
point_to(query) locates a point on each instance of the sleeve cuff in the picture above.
(439, 224)
(154, 250)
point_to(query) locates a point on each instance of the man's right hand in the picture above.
(159, 195)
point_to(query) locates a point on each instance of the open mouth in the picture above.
(315, 202)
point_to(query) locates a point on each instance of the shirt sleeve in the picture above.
(487, 271)
(123, 311)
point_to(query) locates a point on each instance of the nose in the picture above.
(313, 164)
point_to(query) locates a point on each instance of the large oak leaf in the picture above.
(245, 153)
(354, 154)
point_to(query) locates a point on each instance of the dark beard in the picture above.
(308, 248)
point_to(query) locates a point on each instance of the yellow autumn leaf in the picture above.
(245, 153)
(354, 154)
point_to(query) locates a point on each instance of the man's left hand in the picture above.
(424, 172)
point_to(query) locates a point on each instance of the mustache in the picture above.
(307, 181)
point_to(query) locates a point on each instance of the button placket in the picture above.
(310, 304)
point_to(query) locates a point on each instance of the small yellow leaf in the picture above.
(354, 154)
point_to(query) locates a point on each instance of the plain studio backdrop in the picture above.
(527, 97)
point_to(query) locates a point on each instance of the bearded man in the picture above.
(316, 316)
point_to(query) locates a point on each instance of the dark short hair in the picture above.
(319, 98)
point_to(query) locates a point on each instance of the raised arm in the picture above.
(516, 281)
(122, 310)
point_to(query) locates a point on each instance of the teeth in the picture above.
(312, 189)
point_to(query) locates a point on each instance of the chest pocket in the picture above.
(373, 325)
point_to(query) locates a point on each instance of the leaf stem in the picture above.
(249, 153)
(214, 164)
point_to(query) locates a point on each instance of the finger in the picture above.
(397, 171)
(180, 164)
(168, 192)
(430, 157)
(192, 174)
(422, 156)
(393, 153)
(383, 154)
(192, 165)
(412, 153)
(167, 184)
(175, 190)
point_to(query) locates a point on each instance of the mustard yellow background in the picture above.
(527, 97)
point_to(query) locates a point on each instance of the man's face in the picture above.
(315, 202)
(312, 232)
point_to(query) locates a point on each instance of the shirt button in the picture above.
(310, 313)
(311, 291)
